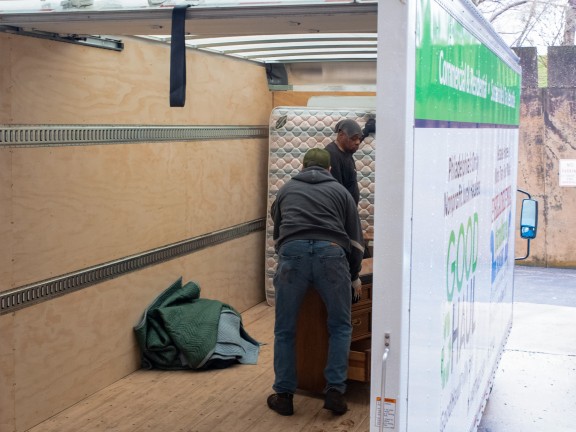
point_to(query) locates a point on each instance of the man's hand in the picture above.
(356, 290)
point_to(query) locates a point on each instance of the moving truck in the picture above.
(444, 215)
(108, 193)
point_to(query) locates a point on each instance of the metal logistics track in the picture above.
(29, 295)
(65, 135)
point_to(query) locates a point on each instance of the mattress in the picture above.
(295, 130)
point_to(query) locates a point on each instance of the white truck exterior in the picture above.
(448, 103)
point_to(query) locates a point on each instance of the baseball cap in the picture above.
(317, 157)
(349, 127)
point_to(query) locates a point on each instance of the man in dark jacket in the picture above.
(343, 165)
(319, 242)
(342, 149)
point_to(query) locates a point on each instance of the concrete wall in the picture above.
(70, 207)
(548, 135)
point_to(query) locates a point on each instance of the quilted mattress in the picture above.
(294, 130)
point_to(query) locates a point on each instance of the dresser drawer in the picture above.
(361, 323)
(366, 299)
(359, 361)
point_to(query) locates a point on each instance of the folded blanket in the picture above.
(179, 330)
(233, 344)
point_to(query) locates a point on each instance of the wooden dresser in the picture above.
(312, 337)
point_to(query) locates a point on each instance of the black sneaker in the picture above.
(281, 403)
(335, 402)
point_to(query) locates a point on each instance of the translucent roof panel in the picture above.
(291, 48)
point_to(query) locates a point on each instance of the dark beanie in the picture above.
(317, 157)
(349, 127)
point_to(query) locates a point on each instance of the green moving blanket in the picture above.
(179, 330)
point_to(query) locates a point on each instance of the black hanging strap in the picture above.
(178, 57)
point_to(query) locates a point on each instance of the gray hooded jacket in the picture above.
(314, 206)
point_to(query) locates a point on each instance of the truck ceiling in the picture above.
(341, 32)
(349, 28)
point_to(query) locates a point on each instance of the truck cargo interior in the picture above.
(143, 141)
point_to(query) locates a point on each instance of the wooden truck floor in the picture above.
(227, 400)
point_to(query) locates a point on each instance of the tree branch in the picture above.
(506, 8)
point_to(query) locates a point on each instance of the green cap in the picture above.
(317, 157)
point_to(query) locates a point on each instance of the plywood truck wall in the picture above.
(65, 208)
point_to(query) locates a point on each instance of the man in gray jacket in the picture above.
(319, 242)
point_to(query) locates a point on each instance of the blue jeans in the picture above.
(322, 265)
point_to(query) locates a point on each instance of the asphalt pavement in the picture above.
(535, 385)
